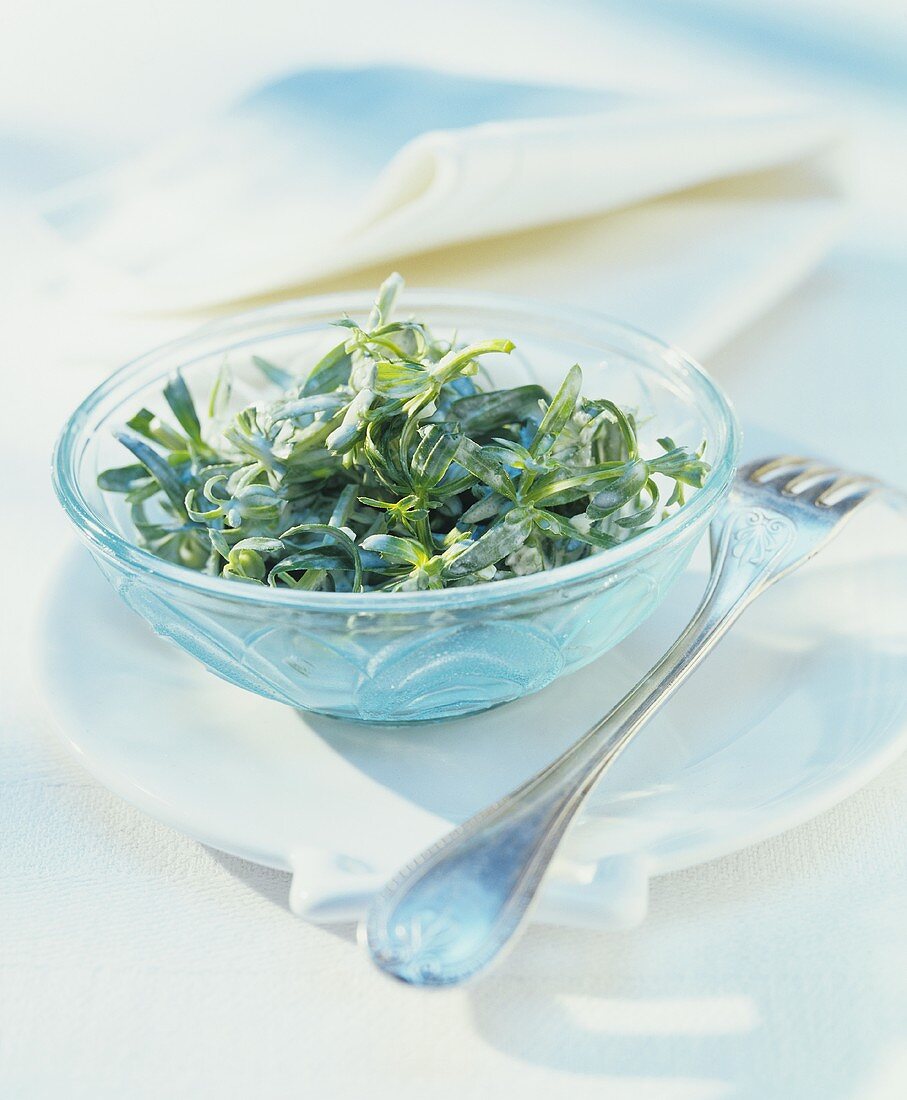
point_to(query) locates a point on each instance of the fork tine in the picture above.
(813, 483)
(846, 504)
(840, 489)
(765, 469)
(809, 485)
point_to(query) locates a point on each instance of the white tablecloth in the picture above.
(134, 962)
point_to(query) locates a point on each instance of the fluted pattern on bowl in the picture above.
(382, 666)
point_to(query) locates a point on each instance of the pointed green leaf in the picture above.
(482, 413)
(397, 550)
(331, 371)
(275, 374)
(507, 535)
(558, 413)
(149, 424)
(488, 470)
(159, 469)
(123, 479)
(384, 304)
(434, 454)
(178, 397)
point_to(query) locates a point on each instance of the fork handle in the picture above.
(451, 911)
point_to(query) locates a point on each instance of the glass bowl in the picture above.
(400, 657)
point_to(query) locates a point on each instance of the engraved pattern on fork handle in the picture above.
(488, 870)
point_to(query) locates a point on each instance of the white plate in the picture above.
(800, 705)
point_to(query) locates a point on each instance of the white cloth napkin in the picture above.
(686, 218)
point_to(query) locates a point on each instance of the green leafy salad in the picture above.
(393, 465)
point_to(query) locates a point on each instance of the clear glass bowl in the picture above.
(400, 657)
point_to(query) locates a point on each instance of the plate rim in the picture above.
(880, 752)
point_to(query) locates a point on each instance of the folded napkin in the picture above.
(686, 218)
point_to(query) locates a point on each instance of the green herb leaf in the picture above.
(159, 469)
(486, 469)
(178, 397)
(497, 543)
(434, 454)
(149, 425)
(558, 413)
(219, 399)
(123, 479)
(483, 413)
(390, 467)
(277, 375)
(330, 372)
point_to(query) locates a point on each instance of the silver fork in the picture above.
(447, 914)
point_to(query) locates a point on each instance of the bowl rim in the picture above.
(111, 545)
